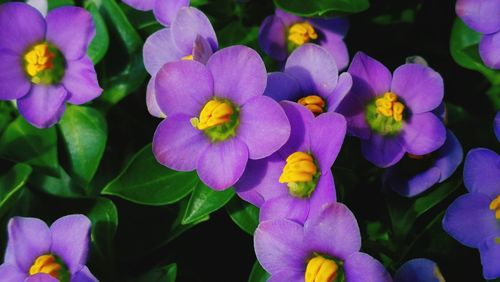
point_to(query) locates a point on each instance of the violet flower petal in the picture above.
(285, 207)
(288, 276)
(449, 156)
(300, 118)
(382, 151)
(10, 272)
(143, 5)
(482, 172)
(272, 38)
(361, 267)
(323, 194)
(422, 134)
(489, 251)
(281, 86)
(166, 11)
(160, 49)
(480, 15)
(417, 270)
(488, 49)
(370, 77)
(80, 80)
(151, 102)
(188, 24)
(341, 90)
(44, 105)
(84, 275)
(327, 132)
(13, 81)
(41, 277)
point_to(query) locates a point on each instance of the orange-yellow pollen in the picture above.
(299, 167)
(46, 264)
(214, 113)
(389, 106)
(495, 206)
(320, 269)
(314, 103)
(300, 33)
(187, 58)
(38, 59)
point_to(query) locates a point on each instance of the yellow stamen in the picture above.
(38, 59)
(300, 33)
(438, 275)
(314, 103)
(495, 206)
(388, 106)
(214, 113)
(320, 269)
(187, 58)
(299, 167)
(46, 264)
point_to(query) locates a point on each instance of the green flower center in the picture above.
(51, 265)
(218, 119)
(44, 64)
(300, 174)
(385, 114)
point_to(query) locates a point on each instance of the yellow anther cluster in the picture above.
(320, 269)
(38, 59)
(314, 103)
(187, 58)
(389, 106)
(495, 206)
(46, 264)
(214, 113)
(300, 33)
(299, 167)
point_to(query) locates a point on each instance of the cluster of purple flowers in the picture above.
(273, 137)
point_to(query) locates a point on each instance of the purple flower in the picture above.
(473, 218)
(217, 116)
(311, 79)
(36, 252)
(190, 37)
(296, 181)
(164, 10)
(391, 114)
(483, 17)
(413, 175)
(282, 33)
(325, 248)
(419, 270)
(43, 62)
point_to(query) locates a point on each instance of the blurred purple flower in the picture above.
(483, 16)
(217, 116)
(473, 218)
(419, 270)
(36, 252)
(190, 37)
(392, 114)
(325, 248)
(296, 181)
(413, 175)
(165, 11)
(44, 62)
(281, 33)
(310, 78)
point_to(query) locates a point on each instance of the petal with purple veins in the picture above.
(327, 133)
(323, 194)
(80, 80)
(482, 172)
(188, 24)
(160, 49)
(300, 119)
(370, 77)
(44, 105)
(14, 82)
(422, 134)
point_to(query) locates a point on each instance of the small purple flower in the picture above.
(310, 78)
(413, 175)
(44, 62)
(217, 116)
(296, 181)
(483, 16)
(325, 248)
(281, 33)
(190, 37)
(36, 252)
(419, 270)
(392, 114)
(164, 10)
(473, 218)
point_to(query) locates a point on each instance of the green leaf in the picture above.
(322, 7)
(11, 184)
(104, 218)
(59, 3)
(21, 142)
(145, 181)
(167, 273)
(464, 50)
(100, 44)
(61, 186)
(235, 33)
(204, 201)
(258, 273)
(245, 215)
(84, 132)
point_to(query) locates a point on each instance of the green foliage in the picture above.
(145, 181)
(100, 44)
(322, 7)
(245, 215)
(204, 201)
(11, 184)
(258, 274)
(163, 274)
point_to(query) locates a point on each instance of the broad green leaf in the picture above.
(99, 45)
(322, 7)
(204, 201)
(11, 184)
(59, 3)
(145, 181)
(84, 131)
(21, 142)
(104, 217)
(61, 186)
(167, 273)
(258, 273)
(235, 33)
(464, 50)
(245, 215)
